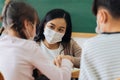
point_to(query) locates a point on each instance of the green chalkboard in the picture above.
(1, 6)
(80, 11)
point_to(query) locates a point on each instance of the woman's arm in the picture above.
(76, 52)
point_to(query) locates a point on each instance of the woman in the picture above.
(54, 37)
(19, 55)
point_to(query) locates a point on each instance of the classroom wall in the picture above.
(80, 11)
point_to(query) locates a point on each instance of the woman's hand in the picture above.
(68, 57)
(58, 59)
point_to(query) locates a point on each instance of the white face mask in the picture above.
(98, 28)
(52, 36)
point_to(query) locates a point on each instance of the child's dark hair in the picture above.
(113, 6)
(15, 13)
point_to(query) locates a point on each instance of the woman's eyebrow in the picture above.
(52, 24)
(60, 26)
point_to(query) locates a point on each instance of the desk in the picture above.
(117, 79)
(75, 74)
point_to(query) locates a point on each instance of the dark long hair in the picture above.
(53, 14)
(15, 13)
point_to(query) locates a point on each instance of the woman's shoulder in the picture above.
(72, 41)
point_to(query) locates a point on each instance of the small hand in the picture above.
(68, 57)
(58, 60)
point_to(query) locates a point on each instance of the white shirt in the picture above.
(18, 58)
(101, 58)
(51, 53)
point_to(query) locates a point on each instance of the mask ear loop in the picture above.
(32, 25)
(30, 37)
(28, 33)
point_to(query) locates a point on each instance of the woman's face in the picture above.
(54, 30)
(58, 25)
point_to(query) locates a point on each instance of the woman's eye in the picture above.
(61, 30)
(51, 27)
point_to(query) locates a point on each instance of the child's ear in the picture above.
(26, 24)
(103, 16)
